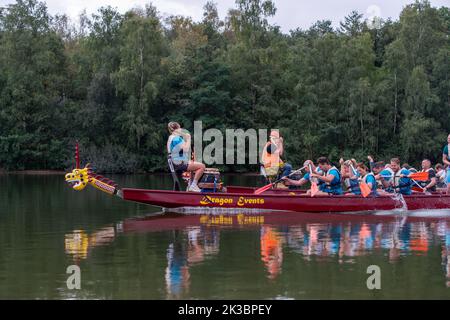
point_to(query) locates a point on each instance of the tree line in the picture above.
(113, 81)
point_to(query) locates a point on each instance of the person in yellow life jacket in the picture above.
(271, 156)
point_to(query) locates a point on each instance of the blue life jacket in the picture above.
(370, 178)
(354, 186)
(176, 151)
(333, 187)
(403, 185)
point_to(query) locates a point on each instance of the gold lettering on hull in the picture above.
(224, 220)
(242, 201)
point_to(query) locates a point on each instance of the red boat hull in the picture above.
(243, 198)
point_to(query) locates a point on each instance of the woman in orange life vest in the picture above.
(271, 156)
(178, 147)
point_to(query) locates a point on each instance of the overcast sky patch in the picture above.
(290, 13)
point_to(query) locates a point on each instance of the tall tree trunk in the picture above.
(395, 103)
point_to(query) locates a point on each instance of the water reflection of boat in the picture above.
(323, 238)
(317, 236)
(78, 242)
(187, 248)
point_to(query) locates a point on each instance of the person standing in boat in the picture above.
(430, 184)
(179, 147)
(446, 161)
(331, 178)
(271, 157)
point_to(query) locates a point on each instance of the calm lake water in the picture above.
(129, 251)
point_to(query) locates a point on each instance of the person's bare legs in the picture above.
(198, 168)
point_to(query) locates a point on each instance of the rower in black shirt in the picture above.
(430, 184)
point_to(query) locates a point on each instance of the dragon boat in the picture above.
(244, 198)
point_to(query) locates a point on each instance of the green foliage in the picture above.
(114, 81)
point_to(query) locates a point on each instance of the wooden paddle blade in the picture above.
(262, 189)
(365, 189)
(314, 189)
(419, 176)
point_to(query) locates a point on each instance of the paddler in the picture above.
(446, 161)
(397, 178)
(430, 184)
(271, 157)
(383, 174)
(383, 184)
(309, 165)
(440, 176)
(368, 178)
(331, 178)
(179, 147)
(350, 176)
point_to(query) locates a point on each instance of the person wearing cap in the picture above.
(271, 157)
(179, 147)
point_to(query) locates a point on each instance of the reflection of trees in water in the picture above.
(189, 247)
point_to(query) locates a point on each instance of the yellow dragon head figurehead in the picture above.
(78, 178)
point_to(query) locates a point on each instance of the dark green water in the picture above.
(45, 227)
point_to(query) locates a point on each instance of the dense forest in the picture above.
(113, 81)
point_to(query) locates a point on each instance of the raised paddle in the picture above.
(314, 186)
(267, 187)
(419, 176)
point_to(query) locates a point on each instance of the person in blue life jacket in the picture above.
(309, 165)
(331, 178)
(396, 178)
(368, 178)
(446, 161)
(179, 147)
(382, 174)
(350, 176)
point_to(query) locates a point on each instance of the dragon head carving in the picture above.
(78, 178)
